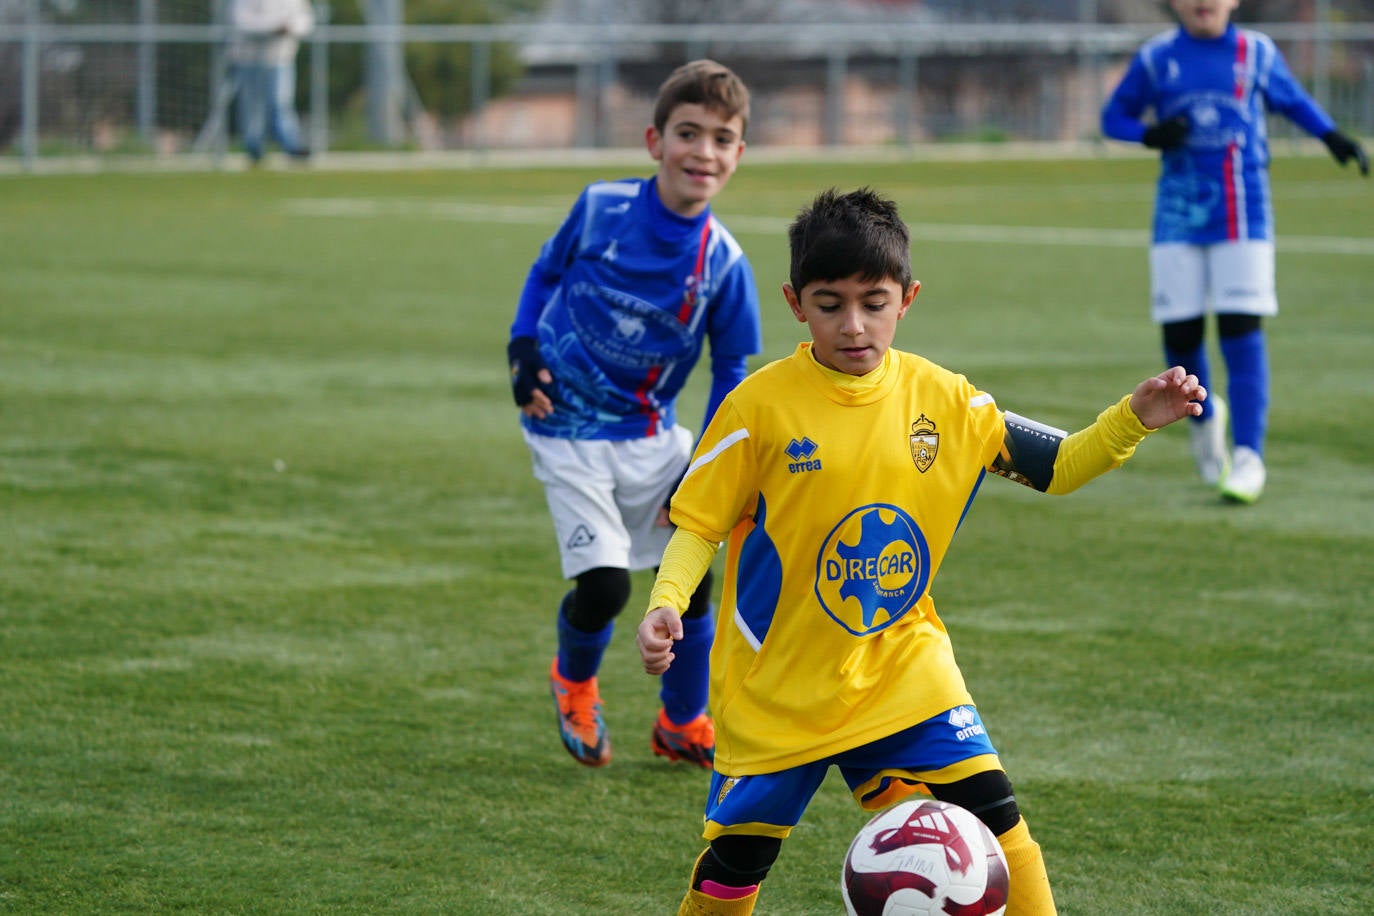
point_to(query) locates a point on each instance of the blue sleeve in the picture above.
(1284, 94)
(547, 271)
(1121, 114)
(735, 333)
(734, 326)
(726, 373)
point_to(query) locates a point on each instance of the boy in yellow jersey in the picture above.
(837, 476)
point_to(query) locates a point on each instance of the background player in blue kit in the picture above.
(830, 651)
(1210, 84)
(613, 317)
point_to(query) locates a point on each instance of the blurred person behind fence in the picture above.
(267, 34)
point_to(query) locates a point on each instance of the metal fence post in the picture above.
(1087, 15)
(481, 90)
(319, 80)
(222, 84)
(28, 124)
(907, 63)
(605, 79)
(587, 104)
(836, 66)
(1367, 94)
(385, 73)
(147, 72)
(1321, 56)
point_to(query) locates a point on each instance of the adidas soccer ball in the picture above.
(924, 856)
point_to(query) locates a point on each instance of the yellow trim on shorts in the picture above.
(914, 781)
(714, 830)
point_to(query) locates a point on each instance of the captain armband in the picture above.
(1028, 452)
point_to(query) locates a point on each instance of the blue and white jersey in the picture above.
(1215, 187)
(621, 299)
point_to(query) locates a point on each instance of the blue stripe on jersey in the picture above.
(759, 583)
(982, 475)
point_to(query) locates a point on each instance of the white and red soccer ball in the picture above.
(924, 856)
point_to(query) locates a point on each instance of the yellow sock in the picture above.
(698, 904)
(1029, 891)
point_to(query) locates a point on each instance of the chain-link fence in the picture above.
(149, 78)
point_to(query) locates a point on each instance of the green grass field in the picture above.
(277, 586)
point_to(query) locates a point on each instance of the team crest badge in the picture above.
(925, 442)
(725, 788)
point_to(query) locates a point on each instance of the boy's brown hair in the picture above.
(702, 82)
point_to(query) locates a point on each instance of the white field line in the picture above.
(351, 207)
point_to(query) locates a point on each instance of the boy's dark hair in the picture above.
(841, 235)
(702, 82)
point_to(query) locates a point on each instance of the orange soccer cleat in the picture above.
(579, 718)
(694, 742)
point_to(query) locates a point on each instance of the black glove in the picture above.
(1343, 149)
(525, 365)
(1166, 134)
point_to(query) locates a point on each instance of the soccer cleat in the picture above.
(579, 718)
(1245, 483)
(1208, 439)
(694, 742)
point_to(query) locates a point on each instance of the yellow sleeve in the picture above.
(685, 561)
(1094, 451)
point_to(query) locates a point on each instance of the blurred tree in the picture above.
(442, 74)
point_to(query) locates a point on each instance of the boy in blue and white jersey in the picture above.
(614, 314)
(1210, 85)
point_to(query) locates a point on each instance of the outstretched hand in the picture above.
(1169, 396)
(657, 632)
(1343, 149)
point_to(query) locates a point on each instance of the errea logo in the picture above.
(966, 721)
(801, 451)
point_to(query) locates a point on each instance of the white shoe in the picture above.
(1245, 483)
(1208, 440)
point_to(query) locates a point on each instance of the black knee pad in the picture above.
(700, 603)
(988, 796)
(737, 861)
(1231, 324)
(1184, 336)
(600, 595)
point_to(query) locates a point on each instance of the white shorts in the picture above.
(604, 496)
(1188, 281)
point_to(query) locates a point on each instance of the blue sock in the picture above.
(579, 653)
(684, 683)
(1247, 371)
(1195, 361)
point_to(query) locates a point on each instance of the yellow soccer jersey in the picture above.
(839, 497)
